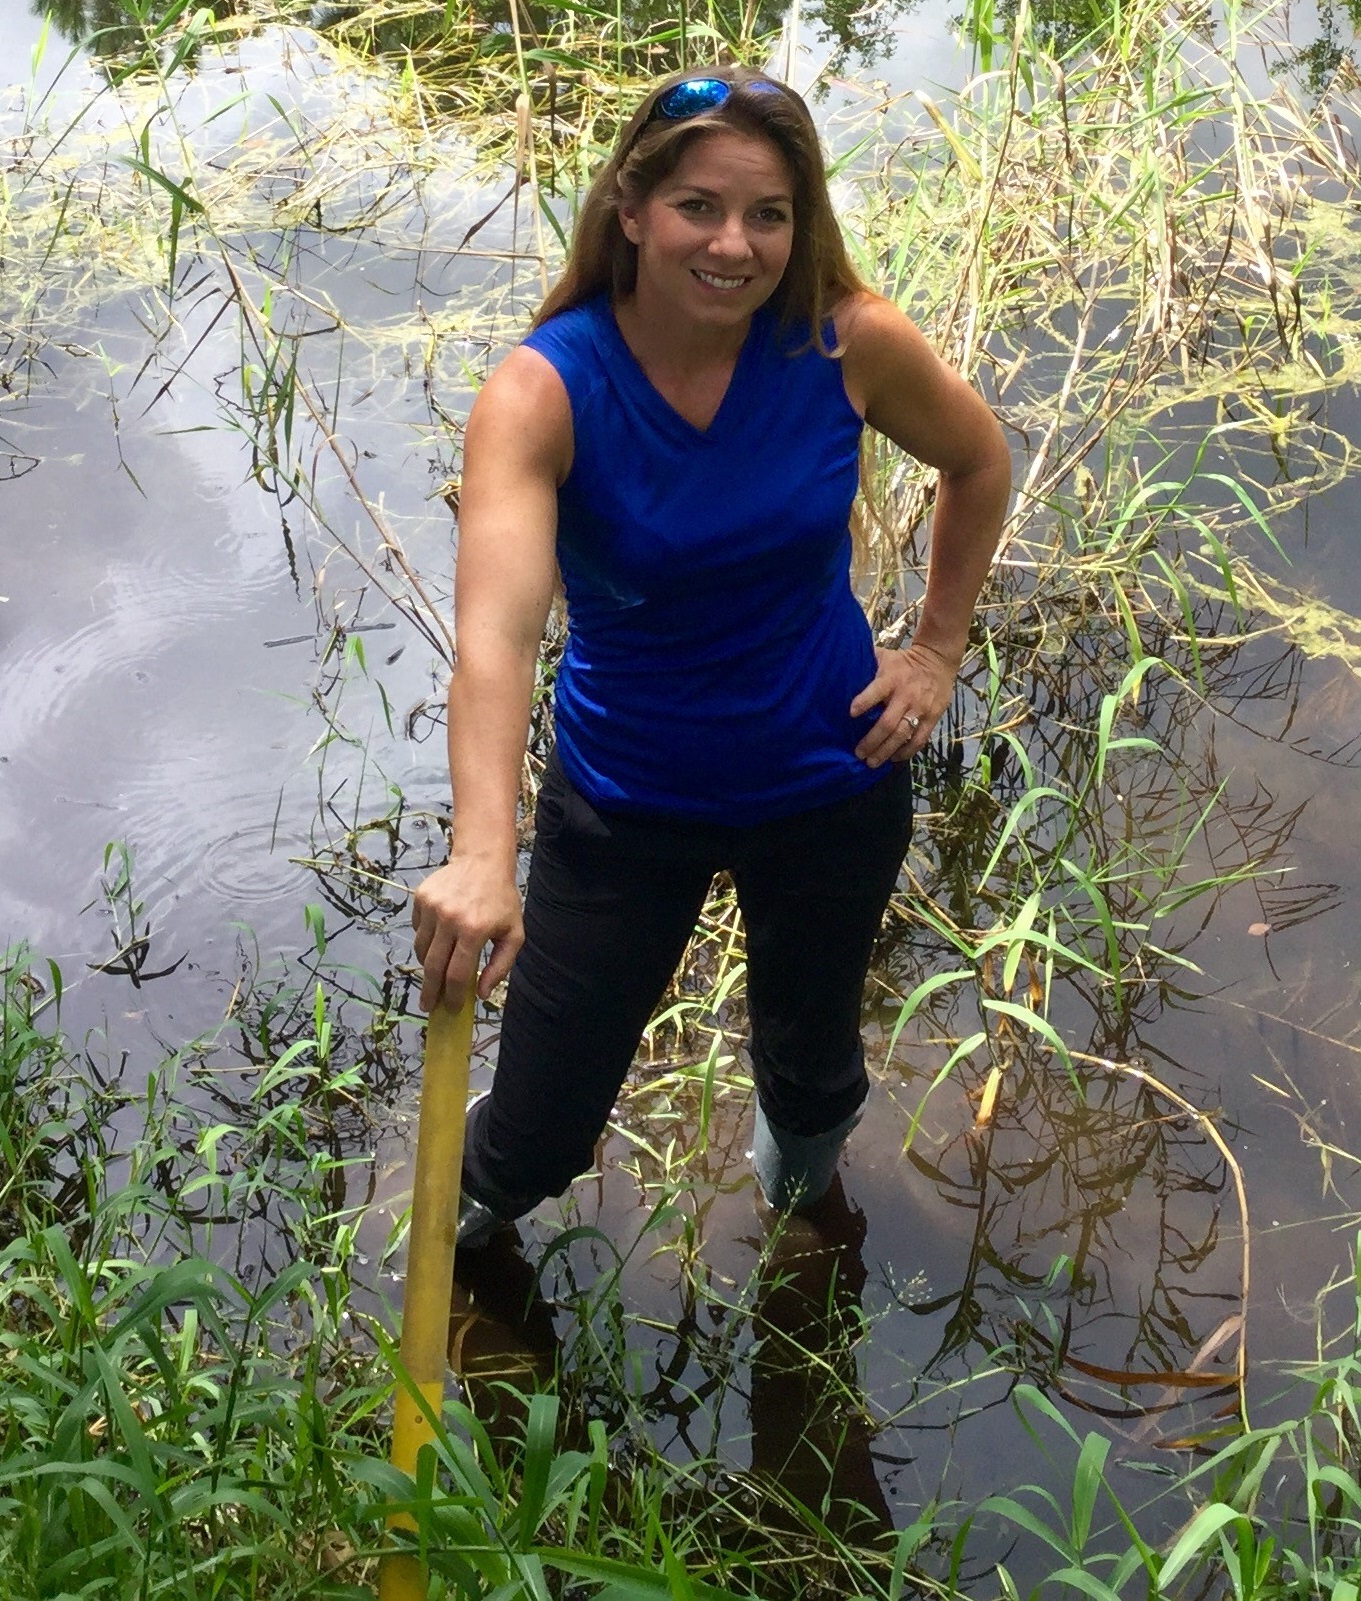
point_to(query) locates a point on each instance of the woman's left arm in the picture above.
(905, 391)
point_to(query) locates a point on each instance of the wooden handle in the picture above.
(429, 1265)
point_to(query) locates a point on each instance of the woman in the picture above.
(679, 435)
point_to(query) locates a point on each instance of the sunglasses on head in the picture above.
(692, 96)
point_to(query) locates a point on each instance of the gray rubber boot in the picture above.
(476, 1224)
(796, 1170)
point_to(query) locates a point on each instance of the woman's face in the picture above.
(714, 238)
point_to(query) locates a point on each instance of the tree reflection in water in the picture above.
(859, 35)
(112, 27)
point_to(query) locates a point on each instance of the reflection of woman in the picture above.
(812, 1436)
(679, 435)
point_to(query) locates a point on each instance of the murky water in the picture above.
(181, 679)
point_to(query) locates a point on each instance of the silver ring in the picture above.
(913, 723)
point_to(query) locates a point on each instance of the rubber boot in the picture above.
(476, 1224)
(796, 1170)
(476, 1221)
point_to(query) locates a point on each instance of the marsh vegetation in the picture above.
(1114, 1019)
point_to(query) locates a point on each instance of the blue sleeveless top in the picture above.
(714, 642)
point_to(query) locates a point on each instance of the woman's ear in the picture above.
(627, 213)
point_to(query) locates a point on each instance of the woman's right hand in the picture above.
(456, 912)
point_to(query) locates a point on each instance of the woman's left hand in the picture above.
(912, 687)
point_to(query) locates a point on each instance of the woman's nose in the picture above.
(731, 240)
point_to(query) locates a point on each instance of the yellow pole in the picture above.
(429, 1266)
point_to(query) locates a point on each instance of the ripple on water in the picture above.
(152, 617)
(252, 864)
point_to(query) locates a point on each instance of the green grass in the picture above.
(168, 1427)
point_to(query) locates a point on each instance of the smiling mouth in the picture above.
(713, 279)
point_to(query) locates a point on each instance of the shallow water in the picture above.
(173, 646)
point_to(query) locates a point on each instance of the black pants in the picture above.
(612, 900)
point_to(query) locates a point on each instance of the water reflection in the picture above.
(646, 32)
(110, 27)
(1105, 1246)
(1106, 1239)
(811, 1428)
(502, 1341)
(651, 38)
(1062, 25)
(1059, 24)
(1323, 59)
(857, 33)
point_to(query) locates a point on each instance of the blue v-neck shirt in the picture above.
(714, 642)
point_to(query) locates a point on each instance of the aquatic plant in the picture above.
(168, 1424)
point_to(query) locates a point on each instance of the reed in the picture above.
(172, 1424)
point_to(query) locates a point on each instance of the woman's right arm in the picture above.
(517, 450)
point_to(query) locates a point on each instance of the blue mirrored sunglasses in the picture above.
(692, 96)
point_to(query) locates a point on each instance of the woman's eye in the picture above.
(774, 216)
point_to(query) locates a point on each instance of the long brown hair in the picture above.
(603, 261)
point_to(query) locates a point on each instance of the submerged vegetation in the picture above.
(1144, 254)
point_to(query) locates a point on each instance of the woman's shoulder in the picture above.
(865, 319)
(576, 343)
(854, 321)
(525, 400)
(574, 327)
(882, 349)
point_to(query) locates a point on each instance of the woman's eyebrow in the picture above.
(713, 194)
